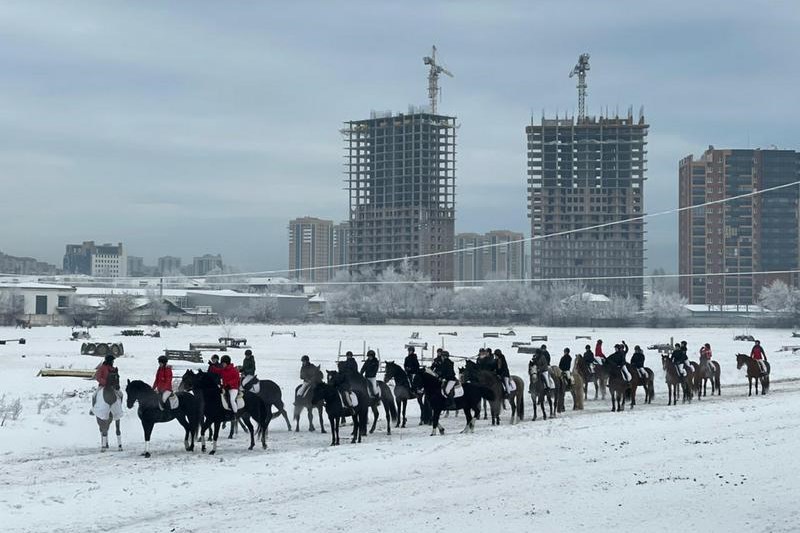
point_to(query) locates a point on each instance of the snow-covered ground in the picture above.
(717, 465)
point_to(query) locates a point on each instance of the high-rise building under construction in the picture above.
(400, 174)
(588, 172)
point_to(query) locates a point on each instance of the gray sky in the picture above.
(191, 127)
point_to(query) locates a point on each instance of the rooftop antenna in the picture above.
(434, 91)
(580, 70)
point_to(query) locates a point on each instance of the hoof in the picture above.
(212, 452)
(312, 429)
(146, 455)
(323, 431)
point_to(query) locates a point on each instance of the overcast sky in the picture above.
(191, 127)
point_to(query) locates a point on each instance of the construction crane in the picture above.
(433, 78)
(580, 70)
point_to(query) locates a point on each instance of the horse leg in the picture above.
(321, 423)
(399, 405)
(148, 430)
(388, 418)
(103, 426)
(310, 412)
(332, 423)
(749, 386)
(375, 415)
(119, 435)
(297, 411)
(215, 436)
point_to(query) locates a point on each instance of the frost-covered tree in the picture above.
(665, 309)
(118, 308)
(81, 313)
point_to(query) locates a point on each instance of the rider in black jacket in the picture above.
(370, 371)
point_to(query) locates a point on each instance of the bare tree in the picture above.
(156, 306)
(118, 308)
(81, 313)
(11, 306)
(227, 324)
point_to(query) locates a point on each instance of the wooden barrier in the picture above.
(66, 372)
(185, 355)
(207, 346)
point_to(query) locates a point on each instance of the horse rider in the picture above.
(350, 363)
(485, 361)
(502, 370)
(447, 374)
(599, 356)
(617, 359)
(437, 361)
(541, 359)
(101, 375)
(103, 370)
(588, 358)
(565, 365)
(705, 358)
(637, 361)
(248, 369)
(411, 364)
(760, 356)
(306, 375)
(163, 383)
(370, 371)
(680, 360)
(214, 362)
(230, 380)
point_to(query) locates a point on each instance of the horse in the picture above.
(617, 385)
(425, 381)
(472, 373)
(107, 406)
(404, 392)
(577, 390)
(539, 390)
(328, 395)
(305, 402)
(339, 384)
(703, 374)
(599, 377)
(674, 380)
(645, 383)
(271, 394)
(754, 373)
(356, 382)
(188, 413)
(214, 412)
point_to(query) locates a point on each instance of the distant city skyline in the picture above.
(190, 128)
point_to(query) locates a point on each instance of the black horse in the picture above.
(188, 414)
(361, 415)
(214, 413)
(330, 396)
(403, 391)
(358, 383)
(427, 382)
(271, 394)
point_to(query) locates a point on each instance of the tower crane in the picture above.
(580, 70)
(433, 78)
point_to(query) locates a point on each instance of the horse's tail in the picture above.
(388, 401)
(577, 390)
(520, 404)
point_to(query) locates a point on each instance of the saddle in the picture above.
(239, 400)
(349, 398)
(457, 392)
(173, 402)
(252, 384)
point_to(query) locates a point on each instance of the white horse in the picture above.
(107, 406)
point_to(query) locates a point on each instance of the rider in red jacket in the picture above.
(230, 380)
(163, 382)
(599, 356)
(759, 355)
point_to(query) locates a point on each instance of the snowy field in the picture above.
(726, 464)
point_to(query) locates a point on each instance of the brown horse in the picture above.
(472, 373)
(702, 375)
(754, 373)
(675, 380)
(647, 384)
(599, 377)
(617, 386)
(577, 391)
